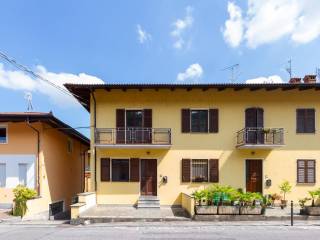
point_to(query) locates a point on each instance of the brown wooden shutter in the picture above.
(120, 125)
(310, 120)
(300, 171)
(213, 170)
(251, 117)
(311, 171)
(300, 120)
(260, 118)
(147, 118)
(213, 120)
(185, 120)
(105, 169)
(186, 170)
(134, 170)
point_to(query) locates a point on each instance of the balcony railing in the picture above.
(260, 137)
(133, 136)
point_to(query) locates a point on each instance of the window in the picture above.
(199, 120)
(199, 169)
(120, 170)
(3, 135)
(306, 120)
(69, 145)
(306, 171)
(23, 168)
(3, 175)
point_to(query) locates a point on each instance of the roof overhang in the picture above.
(82, 91)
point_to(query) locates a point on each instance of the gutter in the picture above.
(38, 157)
(95, 149)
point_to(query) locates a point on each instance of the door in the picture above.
(134, 130)
(254, 126)
(254, 176)
(148, 177)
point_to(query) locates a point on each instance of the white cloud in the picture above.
(193, 72)
(180, 27)
(143, 35)
(267, 21)
(234, 26)
(18, 80)
(270, 79)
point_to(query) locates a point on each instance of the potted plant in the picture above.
(250, 203)
(314, 209)
(302, 203)
(275, 199)
(285, 188)
(204, 196)
(227, 204)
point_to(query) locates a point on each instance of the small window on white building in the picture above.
(70, 145)
(23, 169)
(3, 135)
(3, 175)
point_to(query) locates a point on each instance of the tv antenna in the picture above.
(289, 67)
(28, 97)
(234, 71)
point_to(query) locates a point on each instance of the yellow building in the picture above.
(41, 152)
(166, 139)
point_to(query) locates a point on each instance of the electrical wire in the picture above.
(36, 75)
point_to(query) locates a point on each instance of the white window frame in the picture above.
(7, 135)
(26, 173)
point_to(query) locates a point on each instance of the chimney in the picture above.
(295, 80)
(310, 79)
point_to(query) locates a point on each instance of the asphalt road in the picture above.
(191, 230)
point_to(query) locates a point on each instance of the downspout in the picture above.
(38, 157)
(95, 149)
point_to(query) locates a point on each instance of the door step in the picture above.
(148, 202)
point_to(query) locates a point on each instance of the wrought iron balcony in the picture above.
(133, 137)
(260, 138)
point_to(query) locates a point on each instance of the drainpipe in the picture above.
(38, 157)
(95, 149)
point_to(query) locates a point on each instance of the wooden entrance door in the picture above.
(148, 177)
(254, 176)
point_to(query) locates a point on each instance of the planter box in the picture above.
(313, 211)
(206, 210)
(228, 210)
(248, 210)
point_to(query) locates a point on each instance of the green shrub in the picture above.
(21, 195)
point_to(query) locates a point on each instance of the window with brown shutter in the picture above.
(120, 125)
(306, 171)
(134, 170)
(186, 170)
(213, 120)
(185, 120)
(105, 169)
(214, 170)
(305, 120)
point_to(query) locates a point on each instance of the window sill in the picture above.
(306, 184)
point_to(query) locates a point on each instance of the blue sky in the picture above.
(150, 41)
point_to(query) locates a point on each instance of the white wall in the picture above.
(12, 169)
